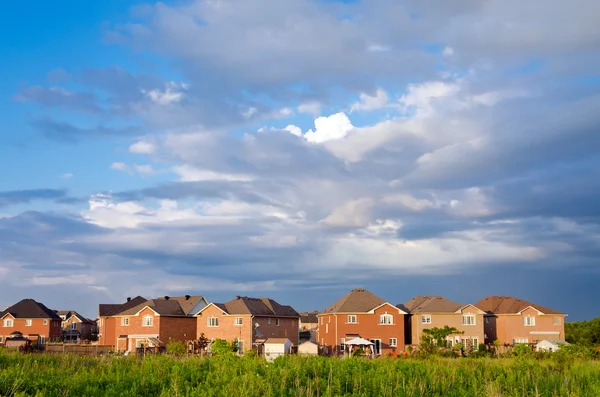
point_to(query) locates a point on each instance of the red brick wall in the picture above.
(455, 320)
(136, 326)
(85, 329)
(180, 329)
(333, 327)
(107, 331)
(50, 331)
(510, 327)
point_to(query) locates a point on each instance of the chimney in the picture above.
(187, 297)
(128, 299)
(166, 298)
(238, 297)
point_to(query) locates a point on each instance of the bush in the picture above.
(176, 348)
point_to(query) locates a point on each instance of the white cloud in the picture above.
(368, 102)
(144, 169)
(330, 128)
(172, 93)
(142, 147)
(188, 173)
(355, 213)
(118, 166)
(67, 176)
(294, 130)
(312, 108)
(420, 97)
(448, 51)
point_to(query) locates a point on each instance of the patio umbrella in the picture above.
(359, 342)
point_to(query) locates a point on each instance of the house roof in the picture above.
(106, 310)
(69, 313)
(29, 308)
(167, 306)
(309, 317)
(431, 304)
(509, 305)
(276, 340)
(257, 307)
(359, 300)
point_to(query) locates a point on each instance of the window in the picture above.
(352, 319)
(238, 321)
(125, 321)
(212, 322)
(342, 344)
(269, 321)
(28, 323)
(386, 319)
(45, 322)
(42, 340)
(469, 319)
(148, 321)
(240, 344)
(529, 321)
(470, 343)
(520, 340)
(8, 323)
(326, 328)
(426, 319)
(487, 320)
(321, 321)
(0, 339)
(73, 325)
(393, 342)
(556, 321)
(277, 322)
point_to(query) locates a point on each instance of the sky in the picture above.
(298, 149)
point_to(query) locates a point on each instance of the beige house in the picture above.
(426, 312)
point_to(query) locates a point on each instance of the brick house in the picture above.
(107, 322)
(76, 327)
(32, 319)
(308, 326)
(437, 312)
(250, 321)
(361, 314)
(155, 322)
(510, 321)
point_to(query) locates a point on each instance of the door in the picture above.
(377, 345)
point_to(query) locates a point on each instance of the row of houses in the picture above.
(139, 322)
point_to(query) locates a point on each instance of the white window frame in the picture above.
(520, 340)
(45, 322)
(487, 320)
(240, 346)
(277, 322)
(269, 321)
(239, 321)
(212, 322)
(393, 342)
(351, 319)
(28, 322)
(386, 319)
(529, 321)
(8, 323)
(426, 319)
(556, 321)
(469, 319)
(125, 321)
(147, 323)
(342, 344)
(42, 340)
(73, 326)
(327, 328)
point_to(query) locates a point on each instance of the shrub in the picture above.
(176, 348)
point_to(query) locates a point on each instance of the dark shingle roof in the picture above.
(509, 305)
(69, 313)
(29, 308)
(309, 317)
(173, 306)
(106, 310)
(257, 307)
(359, 300)
(431, 304)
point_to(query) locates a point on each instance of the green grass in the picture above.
(58, 375)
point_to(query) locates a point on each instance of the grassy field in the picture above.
(49, 375)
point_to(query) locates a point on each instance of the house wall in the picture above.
(439, 320)
(227, 330)
(308, 348)
(85, 329)
(107, 330)
(180, 329)
(332, 327)
(50, 331)
(510, 327)
(136, 327)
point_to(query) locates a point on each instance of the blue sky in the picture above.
(299, 149)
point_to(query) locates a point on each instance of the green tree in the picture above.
(437, 336)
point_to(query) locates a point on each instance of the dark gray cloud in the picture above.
(67, 132)
(28, 195)
(59, 97)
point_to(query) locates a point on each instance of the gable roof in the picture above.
(431, 304)
(509, 305)
(309, 317)
(166, 306)
(107, 310)
(359, 300)
(29, 308)
(70, 313)
(257, 307)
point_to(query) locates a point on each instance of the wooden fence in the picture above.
(81, 350)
